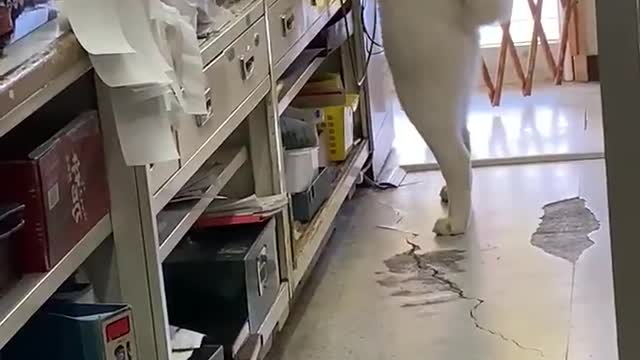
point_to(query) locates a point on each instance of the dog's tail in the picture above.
(485, 12)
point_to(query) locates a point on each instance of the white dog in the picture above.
(433, 48)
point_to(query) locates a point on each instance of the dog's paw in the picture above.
(444, 195)
(447, 227)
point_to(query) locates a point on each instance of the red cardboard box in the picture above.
(61, 178)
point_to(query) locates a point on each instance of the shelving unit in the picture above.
(145, 223)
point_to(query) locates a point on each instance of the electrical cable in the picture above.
(365, 29)
(371, 37)
(371, 45)
(369, 55)
(352, 54)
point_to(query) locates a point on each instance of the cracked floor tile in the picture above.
(385, 295)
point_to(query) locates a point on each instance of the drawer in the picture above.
(246, 13)
(315, 9)
(263, 280)
(288, 22)
(231, 78)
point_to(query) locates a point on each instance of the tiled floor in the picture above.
(555, 121)
(357, 306)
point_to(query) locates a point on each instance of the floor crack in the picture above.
(456, 289)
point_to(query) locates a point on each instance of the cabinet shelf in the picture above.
(175, 221)
(297, 78)
(33, 290)
(315, 235)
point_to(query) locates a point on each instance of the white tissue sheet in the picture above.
(97, 26)
(146, 65)
(144, 128)
(183, 48)
(158, 85)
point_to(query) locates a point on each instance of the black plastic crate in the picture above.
(306, 204)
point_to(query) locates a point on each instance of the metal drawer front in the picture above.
(263, 281)
(315, 9)
(287, 24)
(215, 44)
(231, 78)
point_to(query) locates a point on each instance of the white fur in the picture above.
(432, 47)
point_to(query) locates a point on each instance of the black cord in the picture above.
(371, 37)
(366, 30)
(372, 44)
(370, 53)
(352, 55)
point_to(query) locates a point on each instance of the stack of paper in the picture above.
(198, 186)
(251, 209)
(185, 339)
(248, 206)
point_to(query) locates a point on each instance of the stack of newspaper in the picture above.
(198, 186)
(251, 209)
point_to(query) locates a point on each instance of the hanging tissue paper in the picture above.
(157, 85)
(184, 51)
(144, 128)
(146, 65)
(90, 18)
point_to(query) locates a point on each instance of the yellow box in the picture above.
(337, 126)
(322, 4)
(327, 83)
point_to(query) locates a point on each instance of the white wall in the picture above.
(588, 13)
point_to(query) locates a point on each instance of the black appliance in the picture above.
(219, 279)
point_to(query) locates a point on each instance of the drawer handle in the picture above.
(248, 65)
(288, 24)
(263, 271)
(314, 2)
(201, 120)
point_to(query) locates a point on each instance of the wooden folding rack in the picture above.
(568, 36)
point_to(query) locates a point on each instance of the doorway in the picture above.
(555, 123)
(388, 288)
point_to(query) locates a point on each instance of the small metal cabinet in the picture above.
(232, 268)
(231, 78)
(288, 22)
